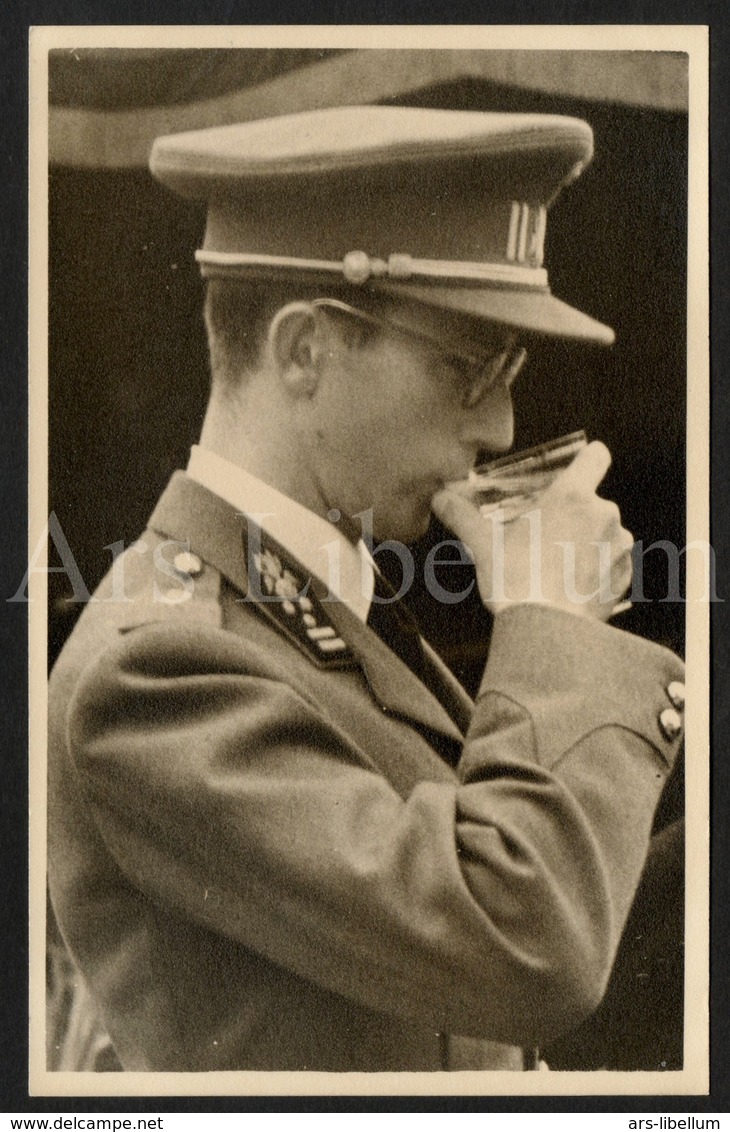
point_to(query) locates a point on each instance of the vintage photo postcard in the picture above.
(369, 574)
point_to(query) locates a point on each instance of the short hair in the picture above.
(238, 314)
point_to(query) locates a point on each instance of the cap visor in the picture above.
(537, 312)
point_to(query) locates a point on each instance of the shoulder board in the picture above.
(186, 593)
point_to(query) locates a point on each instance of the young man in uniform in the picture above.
(281, 835)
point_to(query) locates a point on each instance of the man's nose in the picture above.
(493, 420)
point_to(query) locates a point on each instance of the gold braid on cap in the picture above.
(358, 267)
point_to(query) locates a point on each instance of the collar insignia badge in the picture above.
(288, 601)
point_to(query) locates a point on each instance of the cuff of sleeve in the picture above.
(573, 675)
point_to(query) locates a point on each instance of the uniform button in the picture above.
(305, 605)
(670, 722)
(187, 563)
(309, 620)
(676, 694)
(289, 607)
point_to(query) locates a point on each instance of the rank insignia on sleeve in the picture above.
(290, 602)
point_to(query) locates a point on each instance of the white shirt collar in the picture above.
(323, 550)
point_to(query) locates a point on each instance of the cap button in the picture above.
(676, 694)
(670, 722)
(187, 563)
(356, 267)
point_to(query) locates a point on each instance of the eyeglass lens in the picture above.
(503, 367)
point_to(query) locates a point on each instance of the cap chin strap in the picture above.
(358, 267)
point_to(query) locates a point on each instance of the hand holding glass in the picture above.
(512, 485)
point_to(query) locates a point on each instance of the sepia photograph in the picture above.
(369, 544)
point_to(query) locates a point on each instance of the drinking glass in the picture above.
(512, 484)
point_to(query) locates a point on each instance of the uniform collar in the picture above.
(325, 552)
(196, 517)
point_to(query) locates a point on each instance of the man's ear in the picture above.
(295, 343)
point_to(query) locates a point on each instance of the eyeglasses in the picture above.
(500, 367)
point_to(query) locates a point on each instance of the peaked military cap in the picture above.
(441, 207)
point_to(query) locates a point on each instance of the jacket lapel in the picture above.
(187, 512)
(396, 688)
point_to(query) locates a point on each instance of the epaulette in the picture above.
(277, 590)
(191, 594)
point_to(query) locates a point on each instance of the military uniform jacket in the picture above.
(265, 854)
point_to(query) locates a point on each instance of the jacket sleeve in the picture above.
(490, 905)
